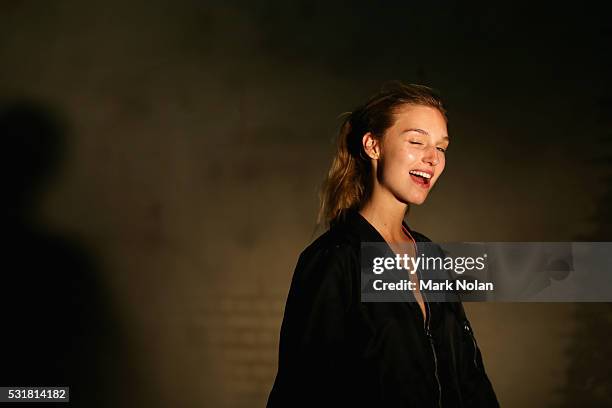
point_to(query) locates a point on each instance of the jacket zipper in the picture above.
(427, 329)
(433, 349)
(469, 330)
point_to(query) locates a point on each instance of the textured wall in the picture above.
(195, 136)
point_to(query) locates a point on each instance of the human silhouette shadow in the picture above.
(58, 328)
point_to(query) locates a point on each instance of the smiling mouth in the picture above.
(421, 178)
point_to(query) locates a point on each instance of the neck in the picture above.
(386, 216)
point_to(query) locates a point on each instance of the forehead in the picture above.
(422, 117)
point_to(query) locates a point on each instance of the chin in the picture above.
(410, 196)
(418, 200)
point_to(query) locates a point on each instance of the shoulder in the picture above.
(333, 248)
(334, 239)
(328, 267)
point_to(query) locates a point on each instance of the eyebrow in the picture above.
(424, 132)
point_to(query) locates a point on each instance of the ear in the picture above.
(371, 146)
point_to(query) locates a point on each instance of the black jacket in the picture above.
(337, 351)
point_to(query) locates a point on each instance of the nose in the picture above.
(431, 157)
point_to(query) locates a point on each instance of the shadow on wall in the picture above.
(57, 328)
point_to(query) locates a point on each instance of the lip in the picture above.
(420, 181)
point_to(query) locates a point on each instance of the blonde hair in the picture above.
(348, 182)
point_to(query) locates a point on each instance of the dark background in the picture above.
(162, 159)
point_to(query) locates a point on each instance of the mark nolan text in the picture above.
(435, 286)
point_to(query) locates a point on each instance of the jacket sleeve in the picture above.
(476, 389)
(314, 328)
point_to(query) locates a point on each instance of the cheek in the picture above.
(410, 155)
(406, 158)
(400, 162)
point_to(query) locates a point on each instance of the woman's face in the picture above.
(411, 153)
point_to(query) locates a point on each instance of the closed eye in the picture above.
(417, 143)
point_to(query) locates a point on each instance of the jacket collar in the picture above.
(354, 222)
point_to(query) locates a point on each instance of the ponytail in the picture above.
(346, 183)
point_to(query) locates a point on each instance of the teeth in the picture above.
(420, 173)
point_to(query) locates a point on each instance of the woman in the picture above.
(336, 350)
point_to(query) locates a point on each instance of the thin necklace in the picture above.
(411, 238)
(427, 314)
